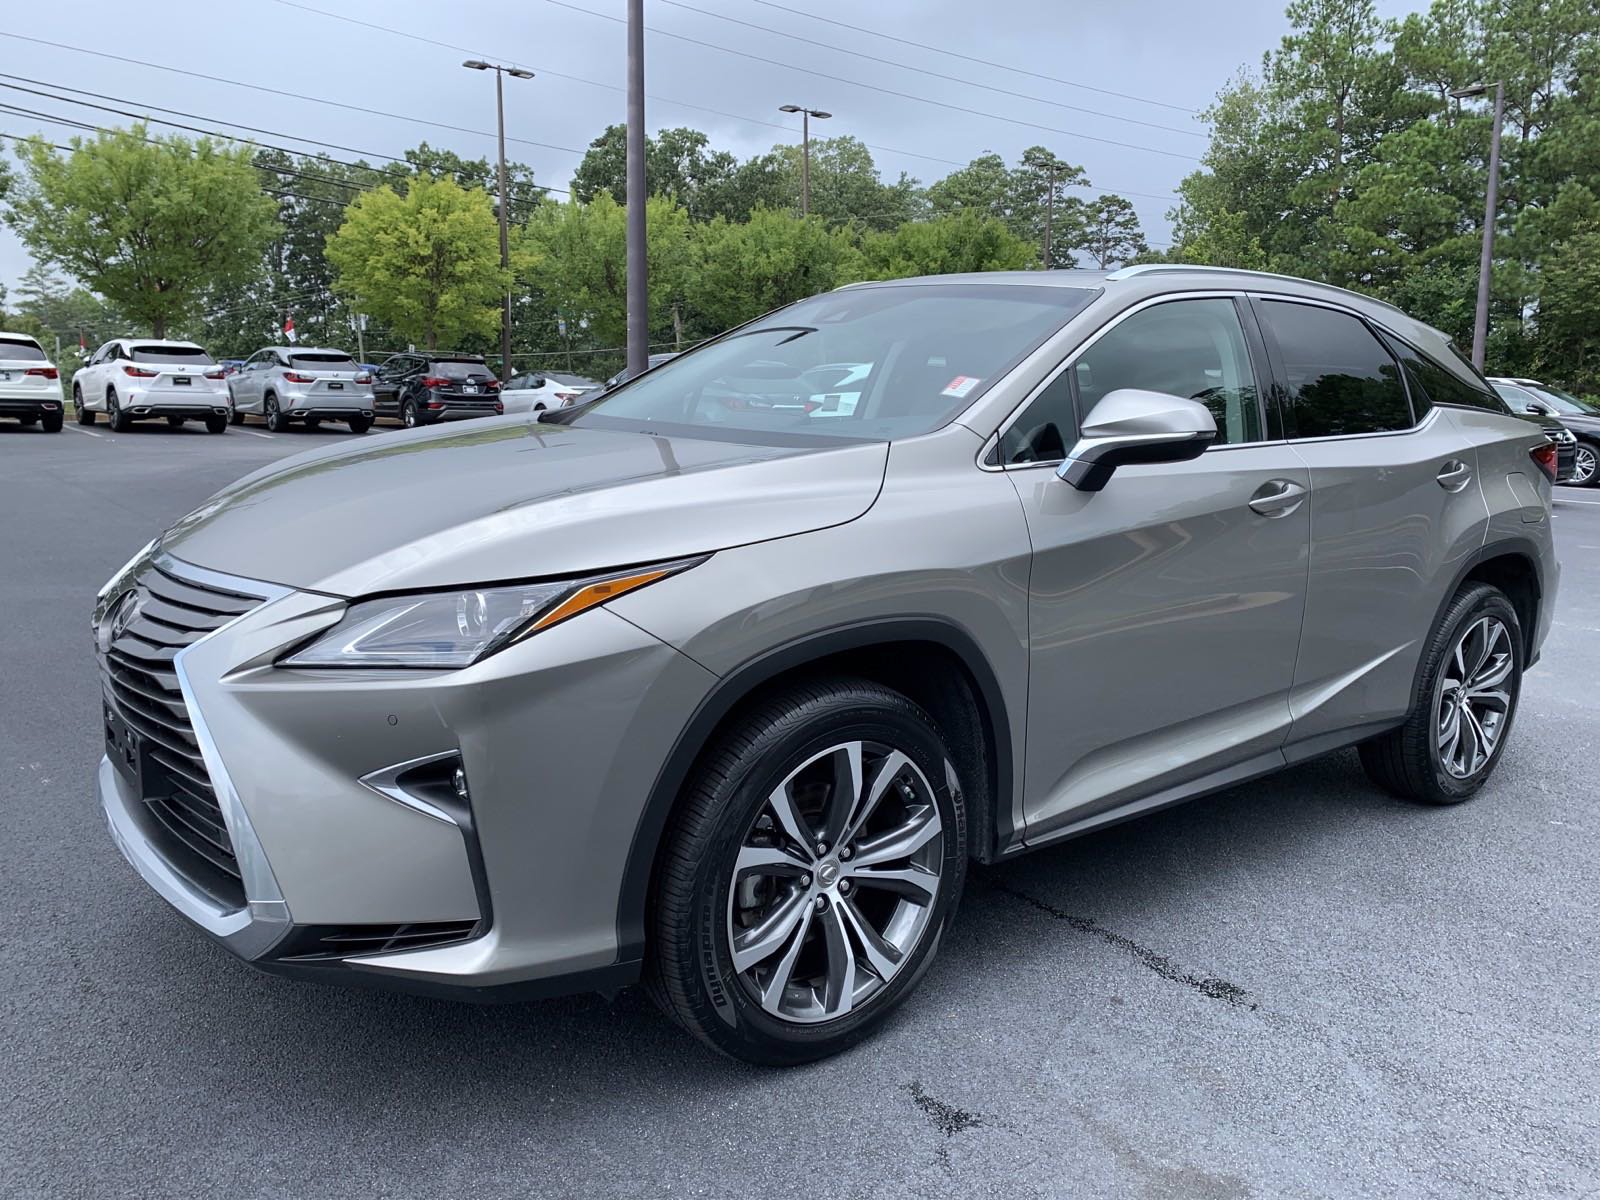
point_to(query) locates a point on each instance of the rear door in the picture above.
(1394, 506)
(1164, 612)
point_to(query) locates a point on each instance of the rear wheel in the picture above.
(276, 421)
(809, 874)
(175, 422)
(85, 417)
(119, 421)
(408, 415)
(360, 424)
(1586, 465)
(52, 421)
(216, 423)
(1465, 699)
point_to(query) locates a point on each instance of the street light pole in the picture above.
(1480, 320)
(638, 265)
(805, 152)
(505, 239)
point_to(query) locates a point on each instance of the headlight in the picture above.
(445, 630)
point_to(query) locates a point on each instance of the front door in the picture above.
(1165, 610)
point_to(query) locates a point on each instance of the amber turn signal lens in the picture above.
(596, 593)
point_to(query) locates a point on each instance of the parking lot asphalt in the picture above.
(1298, 987)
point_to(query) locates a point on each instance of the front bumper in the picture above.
(303, 763)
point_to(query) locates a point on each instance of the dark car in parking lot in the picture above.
(1525, 404)
(1581, 418)
(423, 389)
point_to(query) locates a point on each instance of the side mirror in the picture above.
(1133, 426)
(1539, 410)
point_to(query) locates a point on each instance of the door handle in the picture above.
(1277, 498)
(1454, 475)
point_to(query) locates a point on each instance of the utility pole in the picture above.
(805, 152)
(1049, 215)
(638, 266)
(1480, 320)
(500, 72)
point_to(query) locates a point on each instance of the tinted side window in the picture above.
(1341, 379)
(1442, 386)
(1044, 430)
(1189, 348)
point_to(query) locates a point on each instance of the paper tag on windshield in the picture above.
(960, 386)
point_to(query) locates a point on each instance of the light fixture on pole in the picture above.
(477, 64)
(1480, 320)
(805, 154)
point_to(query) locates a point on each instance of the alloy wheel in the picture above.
(1474, 702)
(1585, 464)
(834, 882)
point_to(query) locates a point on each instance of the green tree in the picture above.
(681, 165)
(427, 263)
(1569, 311)
(151, 225)
(846, 185)
(956, 242)
(1111, 234)
(772, 259)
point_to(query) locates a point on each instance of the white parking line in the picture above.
(1590, 503)
(81, 429)
(253, 433)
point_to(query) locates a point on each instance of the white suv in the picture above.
(29, 389)
(130, 379)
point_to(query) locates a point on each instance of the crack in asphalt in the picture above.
(1207, 985)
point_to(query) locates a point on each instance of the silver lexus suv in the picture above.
(706, 684)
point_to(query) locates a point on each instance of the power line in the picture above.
(1012, 67)
(872, 87)
(889, 62)
(256, 87)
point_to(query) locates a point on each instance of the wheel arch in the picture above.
(1513, 565)
(973, 718)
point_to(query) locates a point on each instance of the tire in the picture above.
(1586, 470)
(408, 415)
(1422, 760)
(52, 422)
(235, 417)
(276, 421)
(175, 422)
(216, 423)
(85, 417)
(119, 421)
(698, 909)
(360, 424)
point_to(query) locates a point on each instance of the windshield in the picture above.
(188, 356)
(458, 370)
(1518, 397)
(867, 362)
(20, 351)
(325, 361)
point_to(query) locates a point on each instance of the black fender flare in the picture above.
(1505, 547)
(633, 901)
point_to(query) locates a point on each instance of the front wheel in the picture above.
(1586, 466)
(809, 874)
(235, 417)
(1466, 696)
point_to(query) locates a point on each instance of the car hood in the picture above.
(509, 498)
(1586, 423)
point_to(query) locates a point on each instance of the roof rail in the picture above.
(857, 283)
(1156, 268)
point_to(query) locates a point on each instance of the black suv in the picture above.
(421, 389)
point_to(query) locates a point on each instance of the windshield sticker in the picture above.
(960, 386)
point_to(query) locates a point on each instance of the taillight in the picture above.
(565, 397)
(47, 372)
(363, 378)
(435, 381)
(1546, 457)
(499, 406)
(492, 384)
(219, 373)
(138, 372)
(296, 377)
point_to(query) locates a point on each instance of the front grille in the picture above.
(141, 684)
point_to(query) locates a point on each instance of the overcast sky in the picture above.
(1177, 52)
